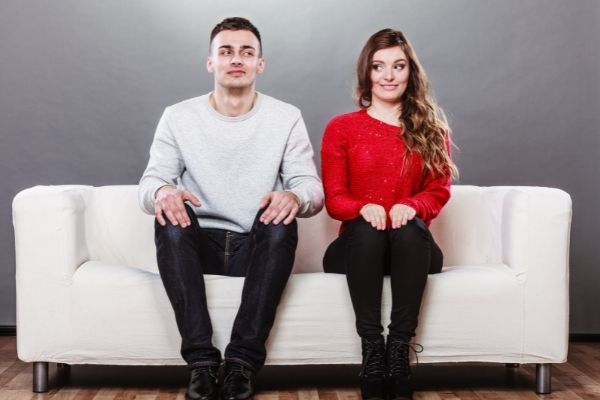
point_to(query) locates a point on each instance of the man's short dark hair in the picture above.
(236, 24)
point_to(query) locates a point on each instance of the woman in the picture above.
(386, 172)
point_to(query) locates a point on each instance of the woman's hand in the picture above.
(375, 215)
(400, 214)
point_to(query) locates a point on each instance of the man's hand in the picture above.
(375, 215)
(169, 200)
(400, 214)
(283, 206)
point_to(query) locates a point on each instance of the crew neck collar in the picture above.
(257, 105)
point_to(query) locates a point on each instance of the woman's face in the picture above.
(389, 75)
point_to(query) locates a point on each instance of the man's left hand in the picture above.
(282, 206)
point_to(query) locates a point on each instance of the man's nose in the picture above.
(236, 59)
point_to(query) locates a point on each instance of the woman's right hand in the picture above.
(375, 215)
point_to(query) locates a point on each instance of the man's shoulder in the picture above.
(280, 107)
(186, 105)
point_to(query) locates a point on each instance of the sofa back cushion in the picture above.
(468, 229)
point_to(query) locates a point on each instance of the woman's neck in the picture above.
(385, 112)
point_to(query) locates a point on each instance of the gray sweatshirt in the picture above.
(230, 163)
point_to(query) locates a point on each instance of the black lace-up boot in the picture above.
(203, 383)
(399, 386)
(372, 375)
(238, 383)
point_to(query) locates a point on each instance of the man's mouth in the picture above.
(236, 72)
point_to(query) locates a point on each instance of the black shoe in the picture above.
(372, 375)
(203, 383)
(399, 386)
(238, 383)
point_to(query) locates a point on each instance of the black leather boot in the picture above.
(203, 383)
(238, 382)
(372, 375)
(399, 386)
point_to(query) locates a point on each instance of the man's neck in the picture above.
(232, 103)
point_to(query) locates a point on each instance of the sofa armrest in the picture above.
(536, 230)
(50, 245)
(50, 231)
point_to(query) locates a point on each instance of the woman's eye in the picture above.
(377, 67)
(399, 67)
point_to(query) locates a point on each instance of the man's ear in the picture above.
(261, 66)
(209, 66)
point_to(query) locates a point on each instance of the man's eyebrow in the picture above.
(230, 47)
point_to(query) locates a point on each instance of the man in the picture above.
(244, 162)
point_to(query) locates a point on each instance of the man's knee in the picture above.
(173, 233)
(279, 233)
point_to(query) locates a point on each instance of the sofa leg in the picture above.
(542, 378)
(40, 377)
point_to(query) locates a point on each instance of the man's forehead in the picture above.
(240, 38)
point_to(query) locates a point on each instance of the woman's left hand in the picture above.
(400, 214)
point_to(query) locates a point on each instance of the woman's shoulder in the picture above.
(346, 120)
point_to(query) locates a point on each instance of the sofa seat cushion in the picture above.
(121, 315)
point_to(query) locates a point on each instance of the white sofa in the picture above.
(89, 292)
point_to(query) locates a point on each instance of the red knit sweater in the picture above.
(362, 162)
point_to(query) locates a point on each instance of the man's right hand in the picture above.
(170, 202)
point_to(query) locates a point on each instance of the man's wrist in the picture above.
(296, 197)
(161, 187)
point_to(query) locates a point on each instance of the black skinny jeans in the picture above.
(408, 254)
(264, 256)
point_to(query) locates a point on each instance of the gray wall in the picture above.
(82, 85)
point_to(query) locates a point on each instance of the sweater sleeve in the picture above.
(164, 167)
(334, 164)
(298, 171)
(434, 195)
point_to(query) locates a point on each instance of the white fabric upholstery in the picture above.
(88, 289)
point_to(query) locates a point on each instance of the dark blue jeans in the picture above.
(408, 254)
(264, 256)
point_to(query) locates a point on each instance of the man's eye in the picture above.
(225, 52)
(248, 53)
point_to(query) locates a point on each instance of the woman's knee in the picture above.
(414, 232)
(359, 231)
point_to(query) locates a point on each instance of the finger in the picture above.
(371, 218)
(265, 200)
(177, 208)
(271, 212)
(158, 214)
(412, 215)
(382, 219)
(181, 213)
(404, 218)
(291, 215)
(395, 220)
(170, 216)
(187, 195)
(285, 211)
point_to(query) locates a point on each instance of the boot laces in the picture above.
(399, 357)
(373, 358)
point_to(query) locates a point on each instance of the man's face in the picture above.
(235, 59)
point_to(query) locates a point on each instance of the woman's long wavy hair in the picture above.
(422, 120)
